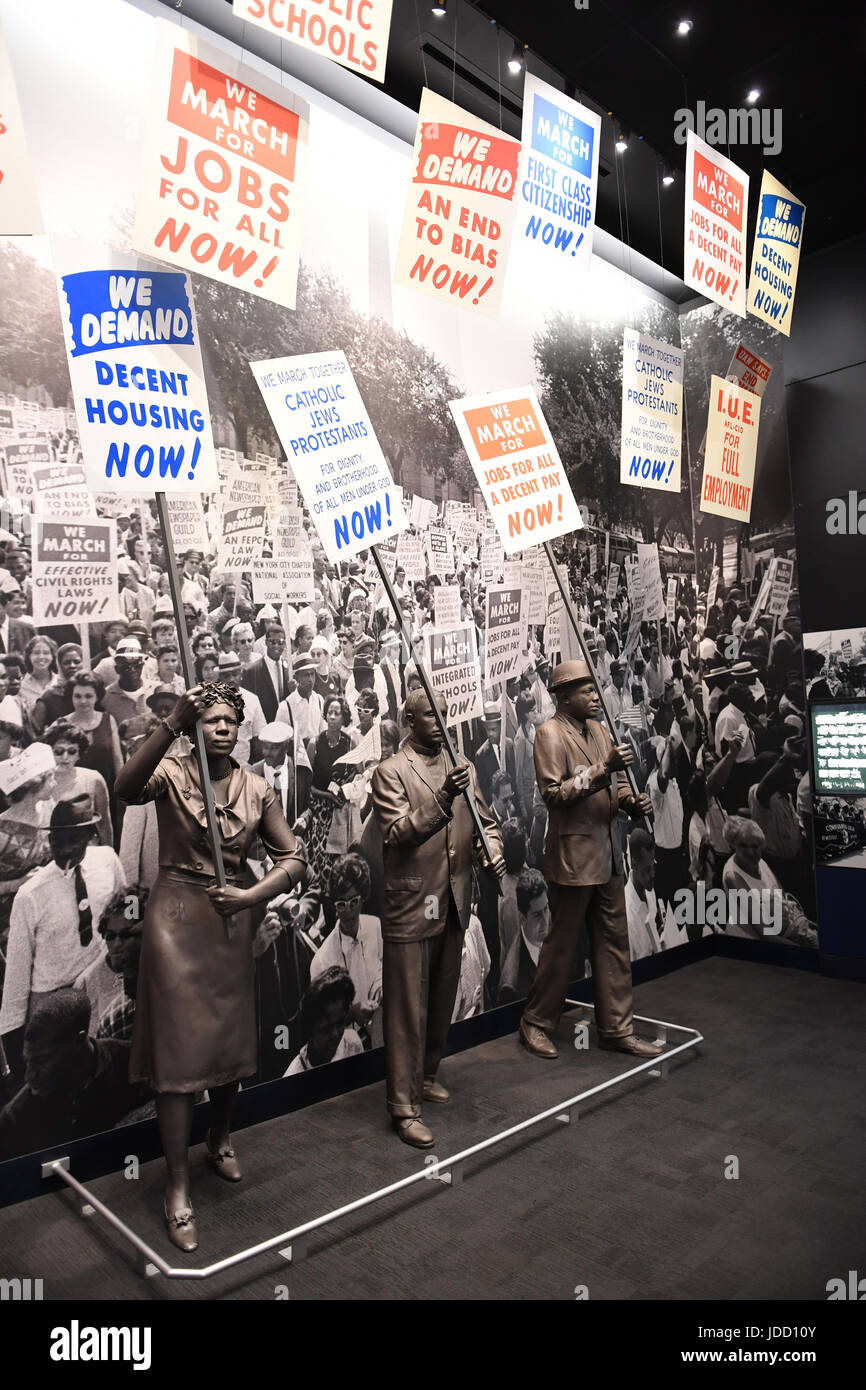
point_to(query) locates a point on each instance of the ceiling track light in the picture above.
(752, 96)
(684, 27)
(516, 61)
(621, 143)
(667, 178)
(440, 8)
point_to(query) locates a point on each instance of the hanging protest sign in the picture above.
(19, 206)
(223, 169)
(651, 581)
(517, 466)
(452, 660)
(717, 196)
(503, 629)
(323, 426)
(186, 517)
(612, 582)
(652, 410)
(775, 254)
(732, 445)
(459, 208)
(353, 35)
(75, 572)
(781, 579)
(243, 524)
(287, 576)
(135, 367)
(446, 606)
(558, 174)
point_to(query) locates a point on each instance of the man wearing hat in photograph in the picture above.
(230, 671)
(488, 760)
(575, 763)
(267, 676)
(275, 745)
(52, 937)
(14, 633)
(303, 709)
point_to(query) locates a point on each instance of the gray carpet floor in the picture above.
(631, 1202)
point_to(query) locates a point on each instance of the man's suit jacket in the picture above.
(19, 635)
(487, 764)
(581, 797)
(427, 850)
(257, 678)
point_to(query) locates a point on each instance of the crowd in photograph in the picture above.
(711, 700)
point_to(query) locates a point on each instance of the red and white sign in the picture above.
(732, 445)
(717, 197)
(518, 468)
(460, 208)
(223, 169)
(19, 206)
(353, 33)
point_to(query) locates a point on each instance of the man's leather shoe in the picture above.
(434, 1090)
(535, 1040)
(181, 1229)
(635, 1046)
(224, 1161)
(412, 1130)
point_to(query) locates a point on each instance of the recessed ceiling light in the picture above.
(667, 179)
(684, 27)
(752, 95)
(440, 8)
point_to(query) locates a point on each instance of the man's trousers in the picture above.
(419, 989)
(595, 913)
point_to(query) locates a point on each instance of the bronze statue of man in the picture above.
(428, 837)
(580, 776)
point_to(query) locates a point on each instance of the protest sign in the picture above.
(452, 661)
(222, 169)
(775, 254)
(21, 458)
(75, 572)
(491, 558)
(612, 582)
(422, 511)
(243, 524)
(135, 367)
(324, 428)
(512, 574)
(848, 651)
(287, 577)
(717, 196)
(732, 443)
(352, 34)
(535, 596)
(650, 581)
(636, 617)
(781, 579)
(186, 519)
(749, 370)
(19, 206)
(517, 466)
(410, 557)
(593, 558)
(671, 599)
(60, 490)
(713, 587)
(446, 606)
(440, 552)
(652, 410)
(503, 629)
(459, 208)
(558, 174)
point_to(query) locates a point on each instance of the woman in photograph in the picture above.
(326, 797)
(355, 945)
(40, 659)
(56, 701)
(195, 1021)
(103, 753)
(68, 743)
(325, 1013)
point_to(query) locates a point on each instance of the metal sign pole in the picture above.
(431, 696)
(189, 676)
(575, 626)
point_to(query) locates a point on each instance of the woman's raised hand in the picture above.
(188, 709)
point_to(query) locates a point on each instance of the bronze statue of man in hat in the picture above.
(580, 775)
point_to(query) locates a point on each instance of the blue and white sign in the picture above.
(558, 175)
(325, 431)
(136, 372)
(776, 255)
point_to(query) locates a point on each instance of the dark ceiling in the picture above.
(625, 56)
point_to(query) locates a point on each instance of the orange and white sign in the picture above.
(353, 33)
(19, 206)
(717, 197)
(222, 171)
(518, 468)
(732, 446)
(460, 208)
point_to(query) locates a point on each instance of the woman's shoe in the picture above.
(181, 1228)
(224, 1160)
